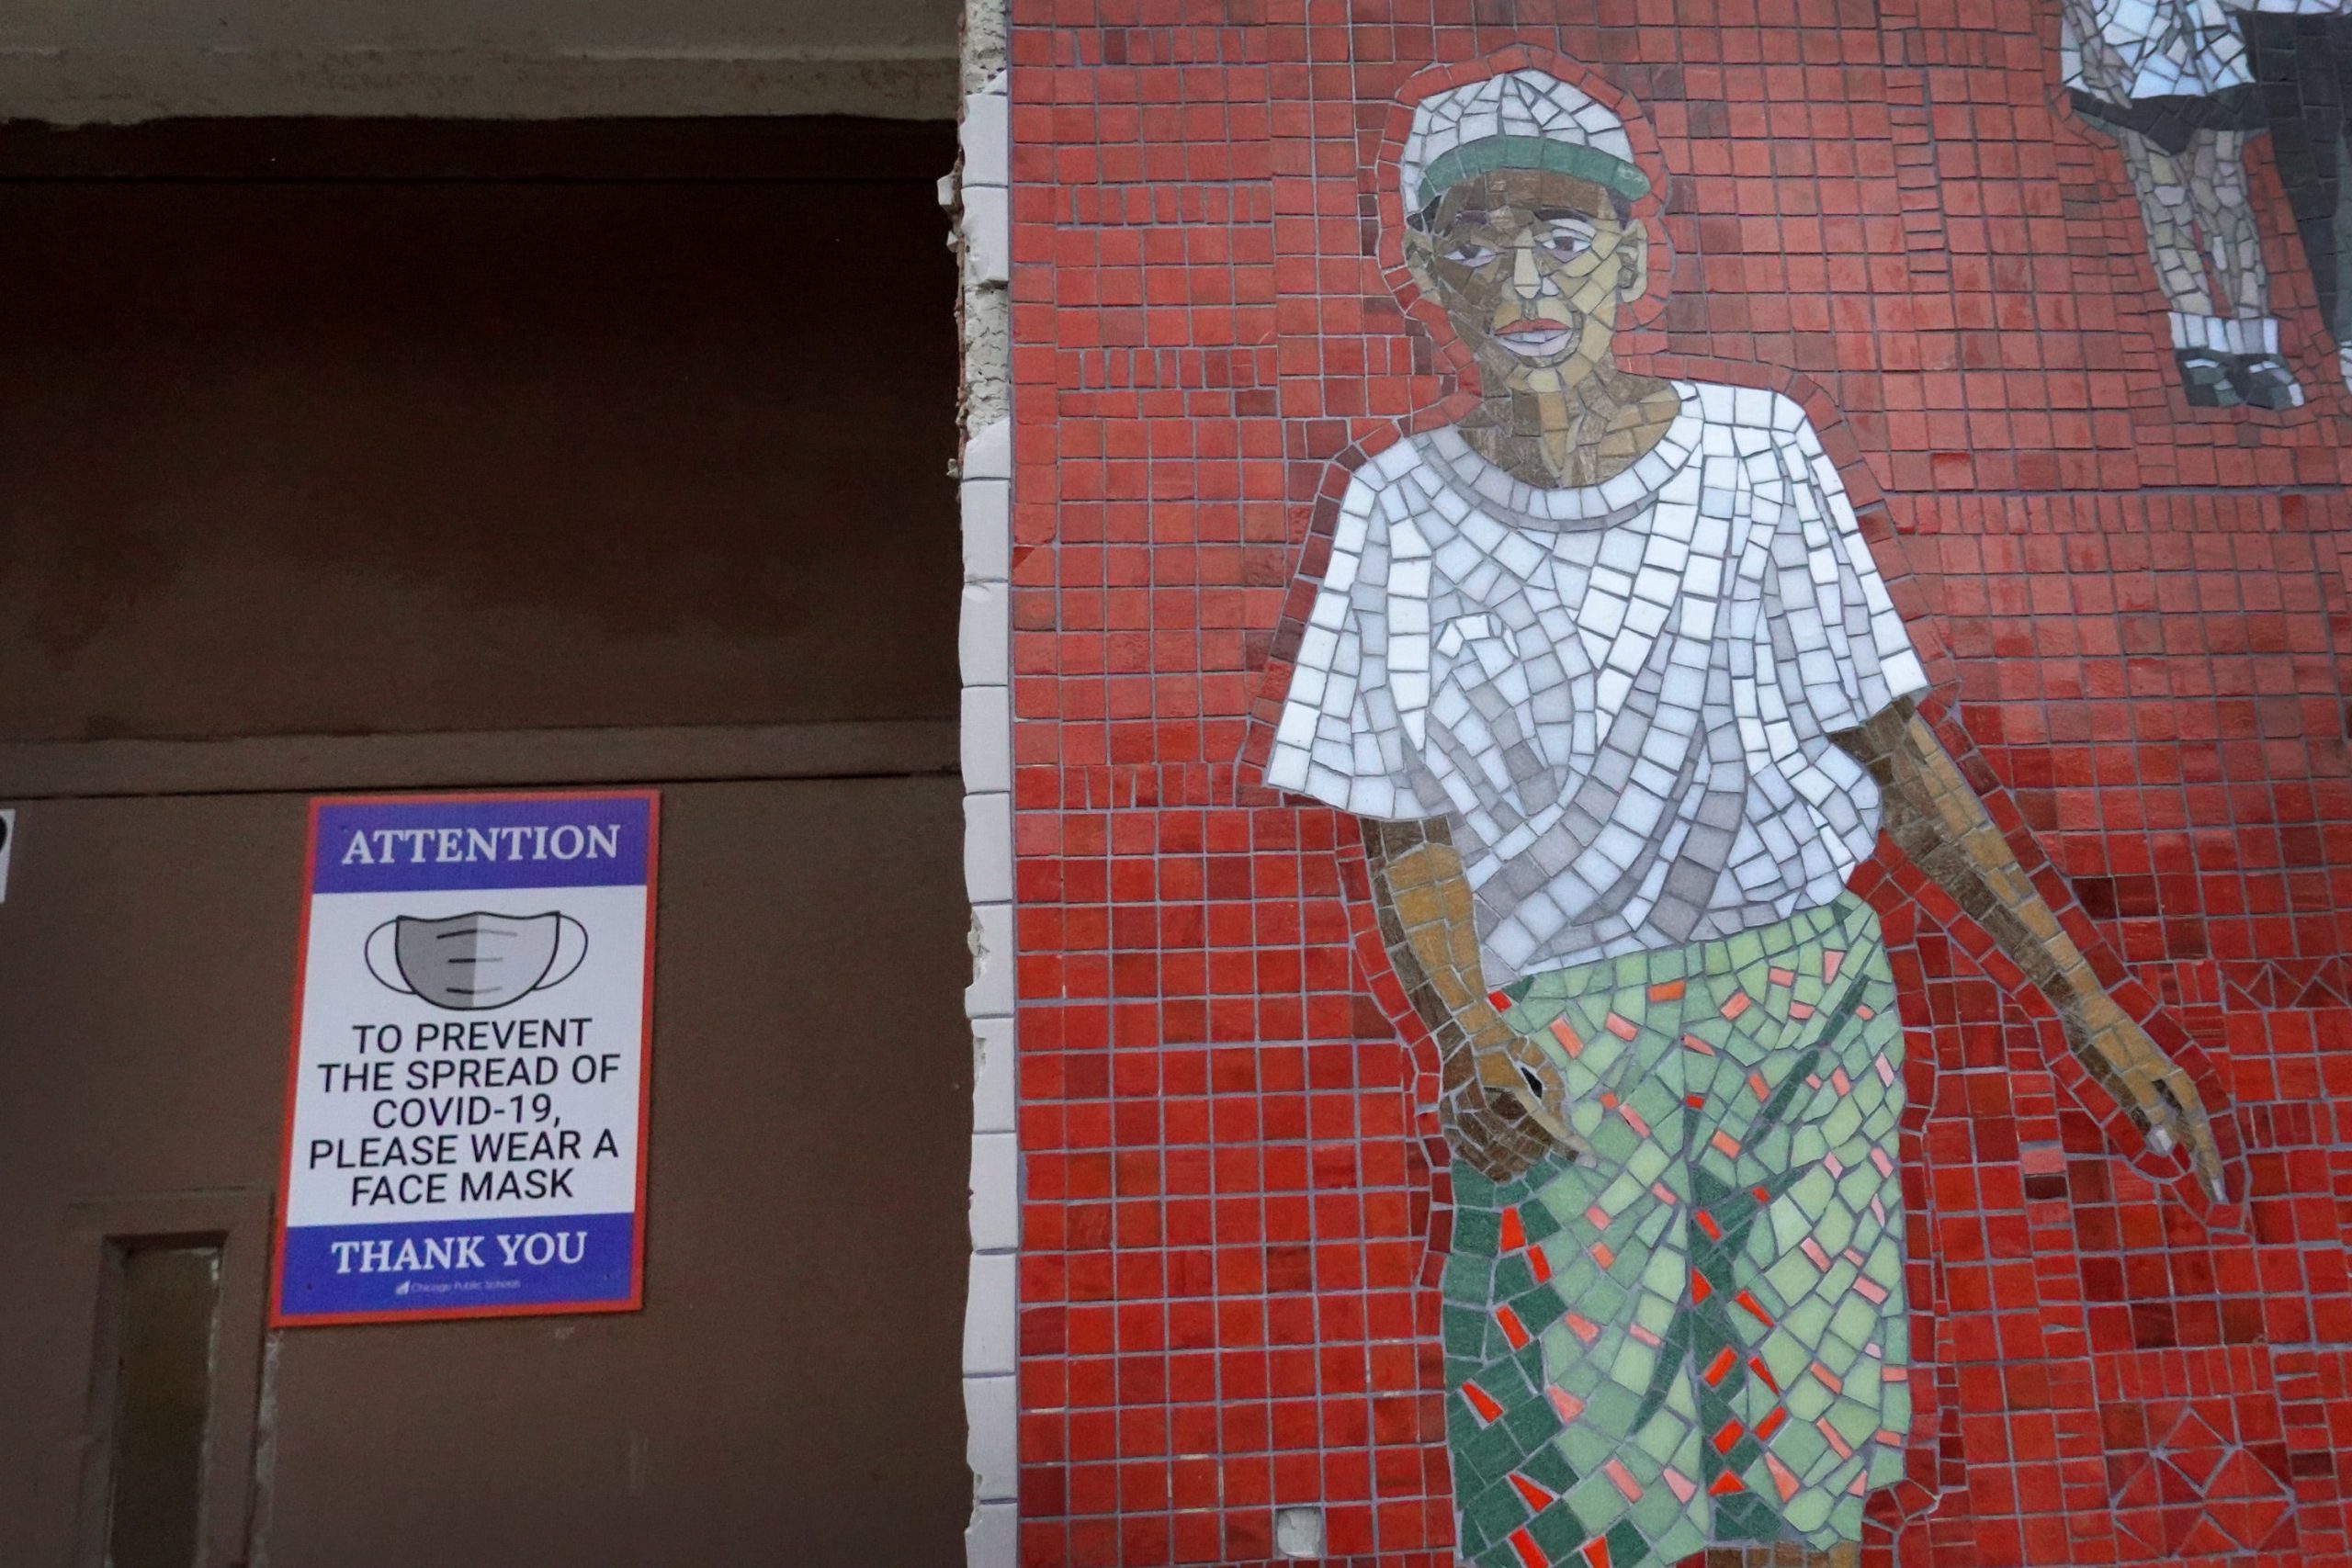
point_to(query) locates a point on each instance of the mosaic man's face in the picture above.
(1533, 269)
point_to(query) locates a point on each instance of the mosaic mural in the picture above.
(1678, 763)
(2179, 89)
(1613, 650)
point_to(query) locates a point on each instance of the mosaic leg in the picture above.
(1800, 1265)
(1698, 1337)
(1575, 1432)
(1554, 1459)
(2223, 199)
(2169, 214)
(1620, 1358)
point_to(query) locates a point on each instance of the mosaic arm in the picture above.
(1501, 1102)
(1935, 819)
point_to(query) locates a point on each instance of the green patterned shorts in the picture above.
(1698, 1337)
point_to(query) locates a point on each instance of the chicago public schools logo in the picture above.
(476, 961)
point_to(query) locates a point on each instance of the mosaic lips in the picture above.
(1532, 337)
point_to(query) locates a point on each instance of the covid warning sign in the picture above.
(465, 1119)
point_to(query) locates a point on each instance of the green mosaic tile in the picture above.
(1559, 1529)
(1466, 1333)
(1531, 1424)
(1477, 1231)
(1547, 1467)
(1499, 1510)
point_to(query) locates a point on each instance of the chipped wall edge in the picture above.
(977, 194)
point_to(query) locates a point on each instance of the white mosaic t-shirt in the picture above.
(1621, 696)
(2163, 48)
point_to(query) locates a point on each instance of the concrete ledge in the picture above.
(47, 769)
(68, 85)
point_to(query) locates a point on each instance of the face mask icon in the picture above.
(473, 962)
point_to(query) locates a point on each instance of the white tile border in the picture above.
(983, 639)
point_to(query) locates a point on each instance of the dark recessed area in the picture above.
(316, 428)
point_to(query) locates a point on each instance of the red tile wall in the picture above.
(2135, 613)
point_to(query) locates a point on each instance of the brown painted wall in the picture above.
(314, 430)
(788, 1395)
(470, 430)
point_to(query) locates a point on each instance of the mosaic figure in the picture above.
(2301, 53)
(1607, 672)
(2169, 79)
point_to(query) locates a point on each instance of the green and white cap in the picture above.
(1522, 119)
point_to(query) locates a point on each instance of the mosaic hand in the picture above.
(1502, 1102)
(1516, 1068)
(1505, 1107)
(2156, 1093)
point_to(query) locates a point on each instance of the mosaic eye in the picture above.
(1471, 253)
(1565, 242)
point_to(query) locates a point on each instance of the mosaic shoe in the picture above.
(2263, 381)
(2205, 376)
